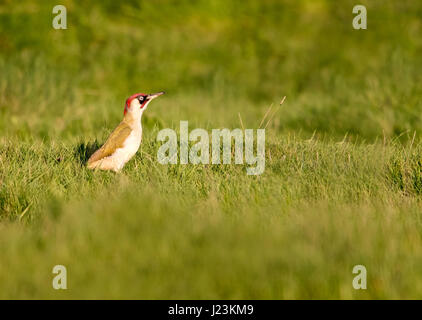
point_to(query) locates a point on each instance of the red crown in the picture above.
(129, 100)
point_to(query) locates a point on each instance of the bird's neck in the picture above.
(134, 121)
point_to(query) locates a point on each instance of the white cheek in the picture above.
(135, 106)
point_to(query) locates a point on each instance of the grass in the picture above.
(343, 178)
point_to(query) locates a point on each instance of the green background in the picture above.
(343, 178)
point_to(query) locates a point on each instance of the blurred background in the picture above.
(211, 232)
(233, 56)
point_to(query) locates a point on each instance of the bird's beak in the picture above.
(155, 95)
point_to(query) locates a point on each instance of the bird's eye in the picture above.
(141, 98)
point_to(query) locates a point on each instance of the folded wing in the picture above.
(115, 141)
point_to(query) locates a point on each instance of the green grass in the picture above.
(343, 178)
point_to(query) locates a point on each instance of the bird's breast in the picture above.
(133, 141)
(130, 147)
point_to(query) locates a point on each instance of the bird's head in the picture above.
(137, 103)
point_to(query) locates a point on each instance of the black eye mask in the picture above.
(142, 100)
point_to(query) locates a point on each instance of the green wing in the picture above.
(116, 140)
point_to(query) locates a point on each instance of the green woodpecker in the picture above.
(125, 140)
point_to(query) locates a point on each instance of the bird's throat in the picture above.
(134, 121)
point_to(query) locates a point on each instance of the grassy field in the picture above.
(343, 178)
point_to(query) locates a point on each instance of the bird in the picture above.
(124, 141)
